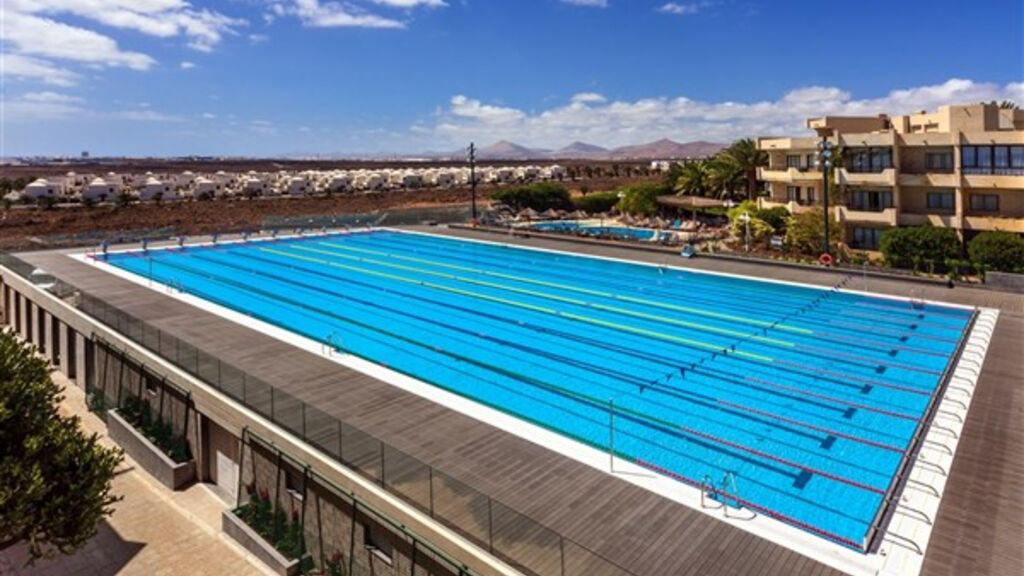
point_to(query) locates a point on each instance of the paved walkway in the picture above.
(153, 531)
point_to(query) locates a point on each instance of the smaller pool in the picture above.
(574, 227)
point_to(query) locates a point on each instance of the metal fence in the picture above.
(509, 534)
(403, 217)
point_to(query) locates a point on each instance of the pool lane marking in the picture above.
(594, 402)
(666, 305)
(556, 298)
(550, 311)
(607, 372)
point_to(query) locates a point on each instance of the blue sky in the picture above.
(287, 77)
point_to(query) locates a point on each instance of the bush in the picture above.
(1000, 251)
(539, 197)
(805, 232)
(921, 248)
(748, 206)
(641, 199)
(594, 203)
(777, 218)
(760, 231)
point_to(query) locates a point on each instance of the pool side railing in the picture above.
(876, 529)
(501, 529)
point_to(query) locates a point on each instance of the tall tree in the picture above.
(724, 175)
(54, 479)
(746, 156)
(692, 178)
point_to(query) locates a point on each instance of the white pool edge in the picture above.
(894, 557)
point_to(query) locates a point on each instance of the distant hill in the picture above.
(580, 150)
(666, 149)
(663, 149)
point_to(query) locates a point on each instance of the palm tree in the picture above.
(725, 175)
(692, 179)
(748, 158)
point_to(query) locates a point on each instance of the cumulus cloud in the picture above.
(588, 3)
(591, 118)
(34, 69)
(42, 37)
(316, 14)
(411, 3)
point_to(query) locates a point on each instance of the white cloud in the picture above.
(614, 123)
(258, 38)
(35, 36)
(681, 9)
(588, 3)
(411, 3)
(202, 28)
(36, 106)
(315, 14)
(209, 116)
(588, 98)
(34, 69)
(186, 65)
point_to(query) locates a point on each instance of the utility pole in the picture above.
(472, 176)
(824, 161)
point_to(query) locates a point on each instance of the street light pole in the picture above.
(472, 176)
(825, 162)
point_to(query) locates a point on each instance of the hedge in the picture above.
(540, 197)
(922, 248)
(595, 203)
(998, 250)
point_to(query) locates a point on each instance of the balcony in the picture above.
(994, 223)
(857, 215)
(886, 177)
(789, 175)
(949, 220)
(975, 179)
(794, 206)
(930, 179)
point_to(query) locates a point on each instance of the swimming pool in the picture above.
(574, 227)
(806, 400)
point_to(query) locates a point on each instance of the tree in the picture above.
(805, 232)
(724, 176)
(54, 480)
(641, 199)
(997, 250)
(745, 156)
(920, 247)
(692, 179)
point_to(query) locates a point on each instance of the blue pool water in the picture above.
(575, 227)
(808, 397)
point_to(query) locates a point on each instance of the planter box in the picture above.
(149, 457)
(242, 533)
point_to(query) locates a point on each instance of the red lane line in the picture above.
(752, 506)
(833, 399)
(784, 461)
(852, 377)
(885, 363)
(813, 427)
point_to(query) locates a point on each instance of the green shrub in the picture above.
(760, 231)
(539, 197)
(921, 248)
(748, 206)
(641, 199)
(594, 203)
(998, 250)
(805, 232)
(777, 217)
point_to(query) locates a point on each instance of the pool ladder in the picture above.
(707, 487)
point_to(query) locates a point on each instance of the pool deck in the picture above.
(977, 531)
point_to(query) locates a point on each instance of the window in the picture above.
(1017, 157)
(792, 161)
(984, 202)
(811, 158)
(938, 161)
(792, 193)
(378, 542)
(869, 159)
(866, 238)
(808, 198)
(941, 201)
(871, 200)
(970, 156)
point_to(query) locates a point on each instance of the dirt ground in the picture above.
(27, 227)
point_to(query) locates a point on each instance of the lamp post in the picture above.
(472, 176)
(824, 160)
(745, 217)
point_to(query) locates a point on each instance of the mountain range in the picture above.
(663, 149)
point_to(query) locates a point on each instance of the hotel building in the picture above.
(961, 167)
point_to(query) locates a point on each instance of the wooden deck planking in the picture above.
(632, 526)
